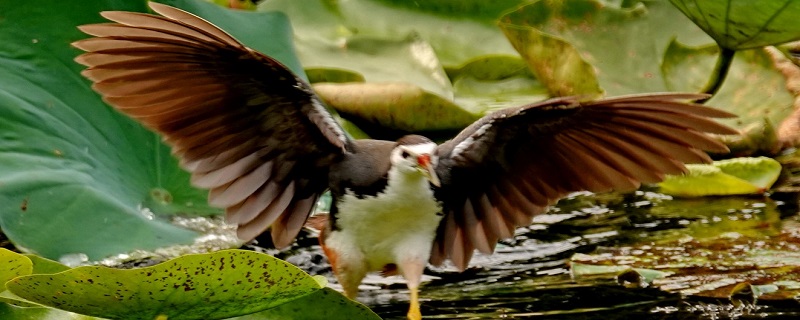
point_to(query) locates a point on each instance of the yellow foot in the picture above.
(413, 308)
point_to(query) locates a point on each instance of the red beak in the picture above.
(424, 161)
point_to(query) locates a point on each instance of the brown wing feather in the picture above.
(507, 167)
(241, 123)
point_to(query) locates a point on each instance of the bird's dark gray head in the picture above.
(416, 154)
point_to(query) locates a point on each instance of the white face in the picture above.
(405, 158)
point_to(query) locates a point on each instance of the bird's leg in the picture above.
(349, 267)
(412, 271)
(350, 278)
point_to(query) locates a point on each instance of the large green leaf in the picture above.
(79, 178)
(202, 286)
(743, 24)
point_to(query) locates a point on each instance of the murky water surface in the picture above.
(529, 276)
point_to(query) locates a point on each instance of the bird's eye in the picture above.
(405, 154)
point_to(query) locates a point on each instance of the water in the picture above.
(529, 276)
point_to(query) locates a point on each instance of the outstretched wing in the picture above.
(244, 126)
(510, 165)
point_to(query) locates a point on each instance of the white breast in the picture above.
(394, 225)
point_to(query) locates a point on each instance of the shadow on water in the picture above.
(529, 277)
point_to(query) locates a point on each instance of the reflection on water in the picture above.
(528, 276)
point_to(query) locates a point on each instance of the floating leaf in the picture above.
(624, 274)
(744, 24)
(725, 177)
(316, 75)
(395, 105)
(202, 286)
(580, 270)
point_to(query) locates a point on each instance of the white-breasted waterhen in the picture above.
(260, 139)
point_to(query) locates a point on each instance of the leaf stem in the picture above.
(720, 71)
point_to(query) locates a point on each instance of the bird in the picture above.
(265, 146)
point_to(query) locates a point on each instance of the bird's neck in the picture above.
(403, 182)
